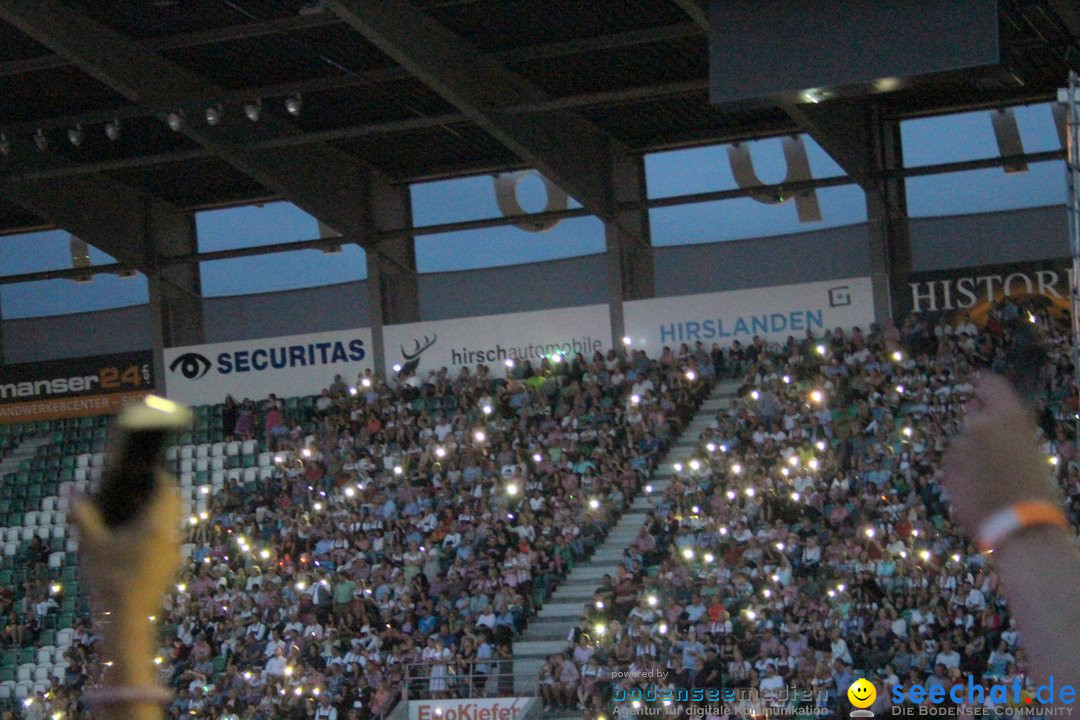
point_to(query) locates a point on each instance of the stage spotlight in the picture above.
(75, 135)
(41, 139)
(175, 121)
(214, 114)
(293, 103)
(112, 129)
(253, 110)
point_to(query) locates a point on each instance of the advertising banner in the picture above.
(774, 313)
(96, 385)
(492, 339)
(509, 708)
(287, 366)
(973, 291)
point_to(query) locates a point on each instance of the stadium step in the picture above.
(548, 632)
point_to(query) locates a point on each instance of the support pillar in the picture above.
(393, 286)
(176, 308)
(629, 244)
(887, 220)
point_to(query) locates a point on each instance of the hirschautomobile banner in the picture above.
(493, 339)
(288, 366)
(774, 313)
(96, 385)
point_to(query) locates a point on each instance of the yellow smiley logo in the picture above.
(862, 693)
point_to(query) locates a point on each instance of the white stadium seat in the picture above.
(249, 447)
(187, 452)
(30, 519)
(217, 449)
(202, 451)
(48, 504)
(172, 452)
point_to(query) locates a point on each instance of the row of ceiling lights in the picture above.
(175, 120)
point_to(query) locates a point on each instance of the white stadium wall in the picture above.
(291, 365)
(936, 244)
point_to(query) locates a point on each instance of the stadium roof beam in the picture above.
(322, 180)
(842, 128)
(135, 228)
(570, 151)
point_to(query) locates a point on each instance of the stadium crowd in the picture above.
(417, 523)
(809, 542)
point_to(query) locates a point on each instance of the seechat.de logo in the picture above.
(862, 694)
(840, 296)
(191, 365)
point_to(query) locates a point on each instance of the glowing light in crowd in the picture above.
(512, 489)
(537, 457)
(908, 432)
(353, 391)
(750, 492)
(688, 553)
(696, 510)
(786, 379)
(795, 496)
(813, 463)
(594, 504)
(1054, 459)
(730, 494)
(820, 350)
(870, 532)
(398, 470)
(397, 367)
(635, 399)
(440, 451)
(678, 467)
(755, 394)
(648, 488)
(662, 628)
(695, 465)
(817, 396)
(264, 554)
(708, 557)
(652, 600)
(751, 614)
(486, 409)
(736, 468)
(509, 362)
(900, 389)
(366, 382)
(711, 447)
(820, 445)
(599, 604)
(897, 355)
(793, 460)
(350, 492)
(785, 472)
(479, 436)
(691, 375)
(626, 340)
(924, 554)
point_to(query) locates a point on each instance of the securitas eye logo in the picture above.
(862, 694)
(191, 365)
(412, 359)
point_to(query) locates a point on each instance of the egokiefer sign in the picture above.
(774, 313)
(288, 366)
(97, 385)
(493, 339)
(509, 708)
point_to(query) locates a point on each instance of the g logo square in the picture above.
(840, 296)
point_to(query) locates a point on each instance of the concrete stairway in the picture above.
(548, 631)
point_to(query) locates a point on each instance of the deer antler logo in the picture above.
(416, 353)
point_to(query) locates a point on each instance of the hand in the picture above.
(132, 566)
(995, 462)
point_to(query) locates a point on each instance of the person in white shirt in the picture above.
(948, 657)
(275, 666)
(325, 711)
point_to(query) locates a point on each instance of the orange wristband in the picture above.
(995, 529)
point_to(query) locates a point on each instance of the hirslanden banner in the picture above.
(773, 313)
(973, 291)
(75, 387)
(286, 366)
(493, 339)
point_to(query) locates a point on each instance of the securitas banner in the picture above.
(773, 313)
(287, 366)
(97, 385)
(493, 339)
